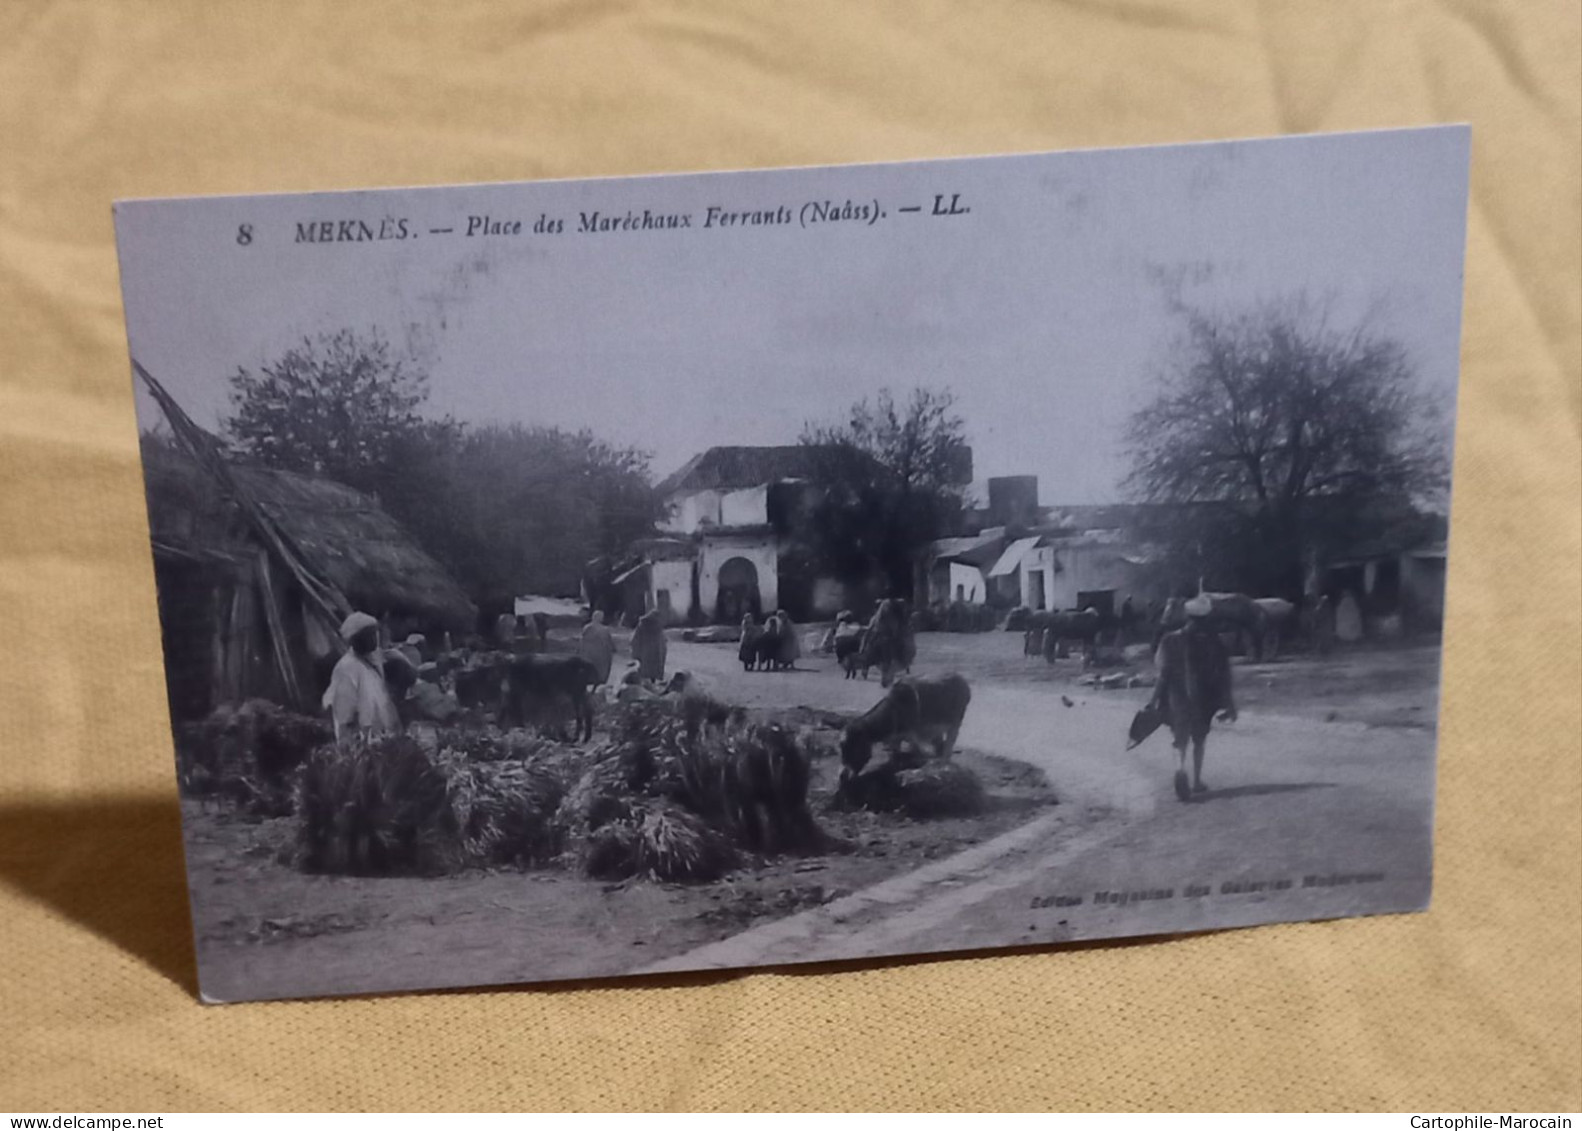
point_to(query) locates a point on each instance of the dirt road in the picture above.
(1304, 818)
(1328, 775)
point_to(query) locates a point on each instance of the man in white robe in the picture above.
(357, 698)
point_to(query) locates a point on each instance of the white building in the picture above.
(1093, 569)
(952, 570)
(732, 516)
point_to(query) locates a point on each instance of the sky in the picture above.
(1045, 307)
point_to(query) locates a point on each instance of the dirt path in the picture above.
(1296, 796)
(1310, 819)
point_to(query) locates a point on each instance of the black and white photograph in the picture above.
(578, 579)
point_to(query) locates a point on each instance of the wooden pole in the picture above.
(324, 598)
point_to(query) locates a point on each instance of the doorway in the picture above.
(738, 594)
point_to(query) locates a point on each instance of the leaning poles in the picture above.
(324, 599)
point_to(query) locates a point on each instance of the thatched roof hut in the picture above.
(223, 597)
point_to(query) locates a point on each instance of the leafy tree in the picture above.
(1296, 438)
(516, 509)
(341, 405)
(891, 477)
(507, 510)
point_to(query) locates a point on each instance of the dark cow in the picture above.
(1194, 686)
(1082, 625)
(850, 648)
(910, 707)
(481, 685)
(1239, 614)
(1255, 622)
(536, 681)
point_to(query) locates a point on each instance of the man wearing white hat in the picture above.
(1194, 685)
(357, 698)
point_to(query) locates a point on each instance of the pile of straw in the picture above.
(661, 803)
(505, 812)
(657, 840)
(389, 807)
(921, 792)
(375, 808)
(246, 753)
(651, 802)
(940, 789)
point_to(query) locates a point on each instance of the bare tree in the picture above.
(892, 476)
(1297, 430)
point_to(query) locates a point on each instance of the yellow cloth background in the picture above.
(1474, 1005)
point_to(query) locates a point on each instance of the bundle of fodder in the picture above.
(607, 792)
(284, 739)
(644, 733)
(940, 789)
(751, 784)
(246, 753)
(659, 840)
(376, 807)
(746, 789)
(921, 792)
(646, 723)
(488, 743)
(506, 812)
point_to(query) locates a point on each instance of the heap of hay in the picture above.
(652, 802)
(246, 754)
(618, 826)
(940, 789)
(390, 807)
(605, 794)
(375, 808)
(505, 812)
(658, 840)
(660, 803)
(922, 792)
(491, 744)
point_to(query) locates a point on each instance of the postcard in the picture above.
(609, 577)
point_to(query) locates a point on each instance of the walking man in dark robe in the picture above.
(1194, 686)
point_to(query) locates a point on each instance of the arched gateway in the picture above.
(738, 592)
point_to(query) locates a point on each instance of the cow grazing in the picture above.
(910, 707)
(536, 681)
